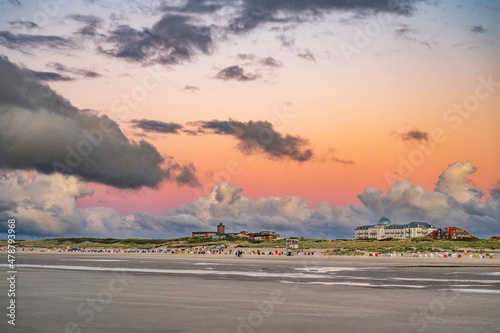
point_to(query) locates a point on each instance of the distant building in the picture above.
(203, 234)
(265, 235)
(221, 233)
(221, 229)
(385, 229)
(209, 234)
(450, 233)
(495, 237)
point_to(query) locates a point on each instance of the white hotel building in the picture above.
(385, 229)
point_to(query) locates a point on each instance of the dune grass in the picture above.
(337, 246)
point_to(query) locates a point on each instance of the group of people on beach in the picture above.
(239, 254)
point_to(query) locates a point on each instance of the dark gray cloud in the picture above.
(25, 43)
(495, 192)
(411, 35)
(253, 13)
(259, 136)
(332, 156)
(257, 12)
(157, 126)
(187, 176)
(478, 29)
(179, 36)
(213, 127)
(235, 73)
(191, 88)
(47, 76)
(170, 41)
(341, 161)
(307, 55)
(181, 174)
(246, 56)
(41, 130)
(415, 135)
(403, 31)
(19, 24)
(196, 6)
(82, 72)
(270, 62)
(7, 204)
(287, 42)
(90, 24)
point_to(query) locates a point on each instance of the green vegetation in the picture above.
(338, 246)
(416, 245)
(93, 242)
(136, 243)
(339, 252)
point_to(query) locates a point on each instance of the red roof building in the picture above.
(450, 233)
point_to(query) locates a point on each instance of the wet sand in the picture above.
(75, 292)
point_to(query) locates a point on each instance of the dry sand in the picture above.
(81, 292)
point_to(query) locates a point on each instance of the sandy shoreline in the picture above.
(319, 255)
(155, 292)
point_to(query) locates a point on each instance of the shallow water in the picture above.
(161, 293)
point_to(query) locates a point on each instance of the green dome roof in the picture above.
(384, 220)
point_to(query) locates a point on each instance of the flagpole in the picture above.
(329, 248)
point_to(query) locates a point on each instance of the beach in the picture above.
(153, 292)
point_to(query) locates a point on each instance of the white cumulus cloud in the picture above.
(47, 206)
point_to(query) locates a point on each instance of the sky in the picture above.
(155, 119)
